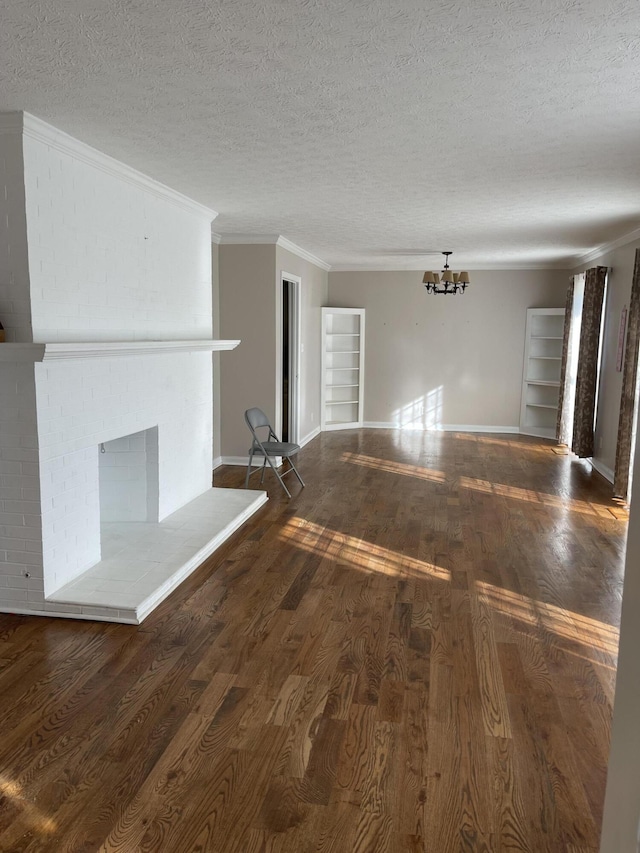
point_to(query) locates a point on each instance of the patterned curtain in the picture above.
(628, 400)
(562, 425)
(586, 382)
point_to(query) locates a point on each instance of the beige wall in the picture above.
(250, 301)
(248, 312)
(458, 358)
(620, 263)
(314, 289)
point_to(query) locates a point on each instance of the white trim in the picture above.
(243, 461)
(602, 469)
(34, 128)
(512, 430)
(420, 266)
(217, 462)
(594, 254)
(302, 253)
(236, 460)
(310, 436)
(249, 239)
(215, 237)
(271, 240)
(105, 349)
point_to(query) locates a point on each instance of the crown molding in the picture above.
(594, 254)
(249, 239)
(302, 253)
(34, 128)
(497, 267)
(215, 237)
(271, 240)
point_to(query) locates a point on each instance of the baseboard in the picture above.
(243, 461)
(443, 427)
(258, 460)
(314, 432)
(603, 470)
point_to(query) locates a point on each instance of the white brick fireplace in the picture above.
(105, 293)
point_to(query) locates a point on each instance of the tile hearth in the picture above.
(143, 563)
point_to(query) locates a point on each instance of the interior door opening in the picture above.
(290, 358)
(286, 361)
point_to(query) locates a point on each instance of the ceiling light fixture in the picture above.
(452, 282)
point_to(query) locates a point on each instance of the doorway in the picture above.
(290, 376)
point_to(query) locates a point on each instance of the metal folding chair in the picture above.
(269, 448)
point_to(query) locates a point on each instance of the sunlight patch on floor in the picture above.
(506, 442)
(486, 486)
(531, 496)
(359, 553)
(394, 467)
(12, 790)
(564, 623)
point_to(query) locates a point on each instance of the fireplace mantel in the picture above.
(57, 351)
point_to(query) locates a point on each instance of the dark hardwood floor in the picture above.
(416, 653)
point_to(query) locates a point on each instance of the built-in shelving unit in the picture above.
(342, 368)
(541, 376)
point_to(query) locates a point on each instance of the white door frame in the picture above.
(295, 314)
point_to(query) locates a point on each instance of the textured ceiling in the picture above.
(366, 131)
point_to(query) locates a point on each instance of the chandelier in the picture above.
(452, 282)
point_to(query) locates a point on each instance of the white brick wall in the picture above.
(15, 312)
(85, 403)
(109, 258)
(129, 477)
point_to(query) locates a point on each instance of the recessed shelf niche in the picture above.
(342, 368)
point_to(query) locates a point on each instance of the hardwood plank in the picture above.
(495, 713)
(416, 653)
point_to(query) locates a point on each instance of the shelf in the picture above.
(343, 337)
(541, 386)
(106, 349)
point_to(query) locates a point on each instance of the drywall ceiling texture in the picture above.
(366, 131)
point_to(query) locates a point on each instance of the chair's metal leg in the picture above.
(246, 479)
(264, 468)
(295, 470)
(276, 472)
